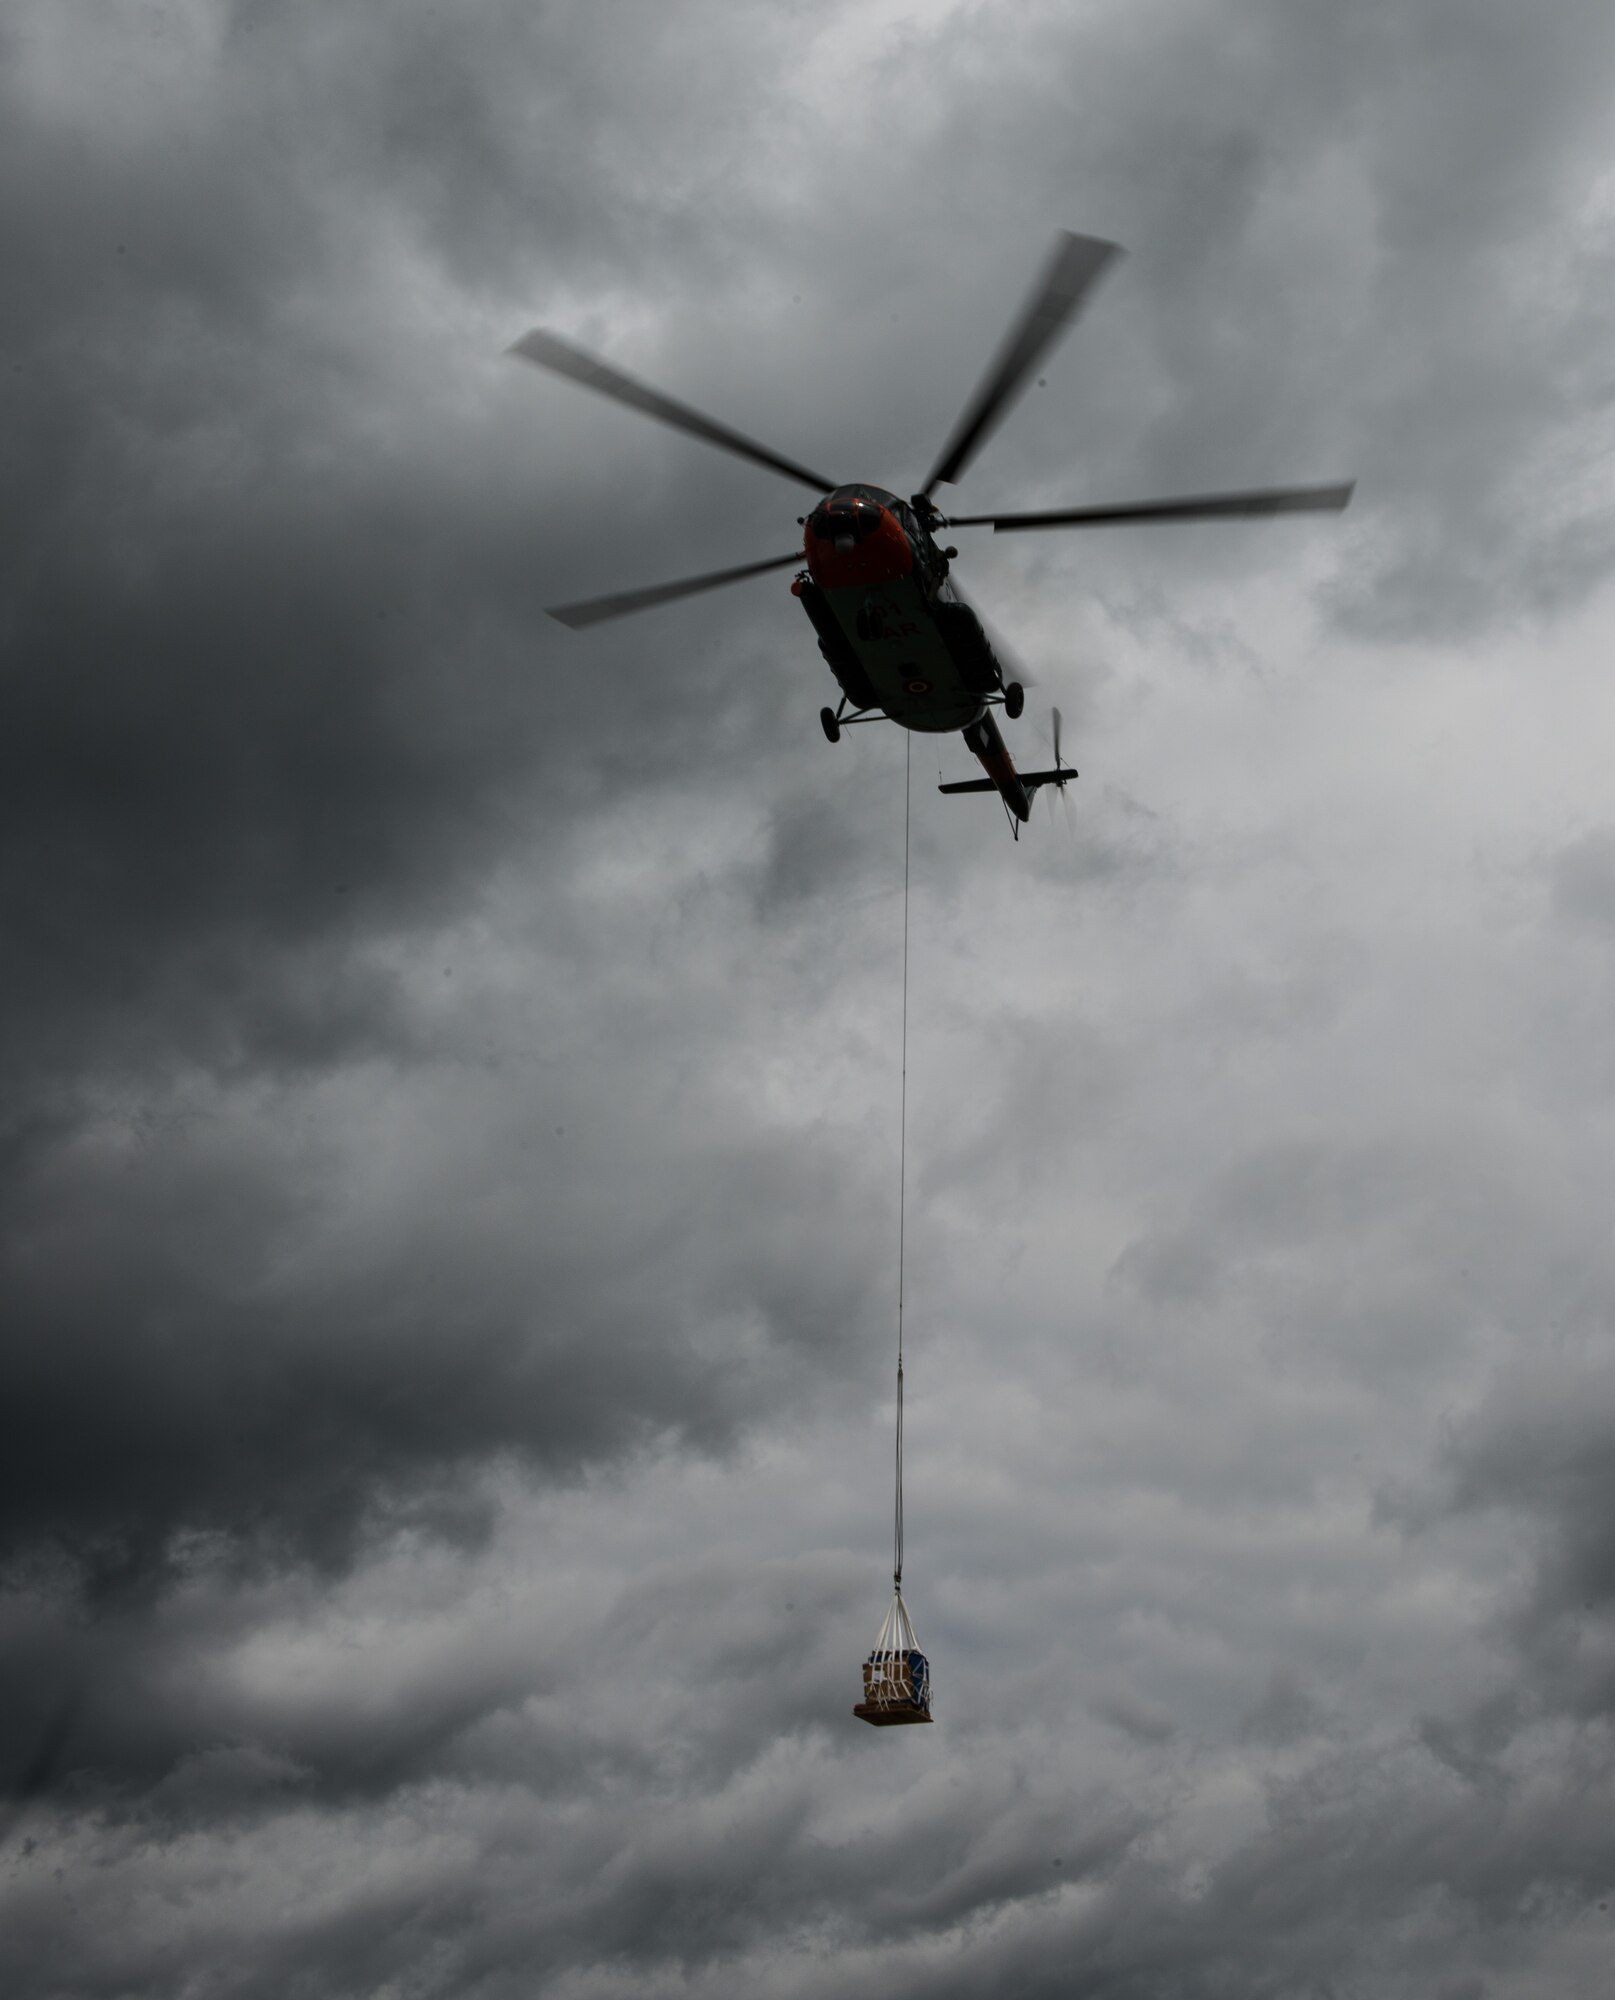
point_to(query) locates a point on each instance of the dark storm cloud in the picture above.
(1049, 1892)
(1375, 240)
(438, 1048)
(368, 1383)
(278, 698)
(1537, 1450)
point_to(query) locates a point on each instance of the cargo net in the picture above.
(897, 1675)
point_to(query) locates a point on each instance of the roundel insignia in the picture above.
(916, 686)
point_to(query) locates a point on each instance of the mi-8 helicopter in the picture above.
(900, 640)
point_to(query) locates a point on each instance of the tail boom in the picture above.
(1014, 787)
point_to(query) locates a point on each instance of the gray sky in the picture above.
(449, 1110)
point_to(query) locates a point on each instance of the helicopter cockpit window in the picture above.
(844, 520)
(927, 561)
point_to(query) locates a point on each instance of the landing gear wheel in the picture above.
(1014, 700)
(832, 728)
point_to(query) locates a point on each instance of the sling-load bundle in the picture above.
(897, 1675)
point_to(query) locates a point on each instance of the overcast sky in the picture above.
(449, 1064)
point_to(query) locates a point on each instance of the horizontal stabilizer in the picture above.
(1030, 779)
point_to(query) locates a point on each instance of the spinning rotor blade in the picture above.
(1065, 796)
(547, 350)
(1201, 507)
(1077, 261)
(1008, 656)
(594, 610)
(1051, 737)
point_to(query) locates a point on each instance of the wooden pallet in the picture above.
(883, 1714)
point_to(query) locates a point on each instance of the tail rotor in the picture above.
(1060, 783)
(1062, 774)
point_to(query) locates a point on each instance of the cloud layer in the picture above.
(448, 1118)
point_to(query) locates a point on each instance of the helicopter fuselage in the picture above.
(896, 635)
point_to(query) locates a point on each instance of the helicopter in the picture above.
(875, 582)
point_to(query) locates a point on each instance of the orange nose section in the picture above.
(856, 542)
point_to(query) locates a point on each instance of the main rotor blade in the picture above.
(595, 610)
(1200, 507)
(548, 350)
(1075, 264)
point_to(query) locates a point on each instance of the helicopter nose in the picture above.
(856, 542)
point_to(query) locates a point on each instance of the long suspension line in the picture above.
(902, 1172)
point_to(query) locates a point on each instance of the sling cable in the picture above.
(897, 1675)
